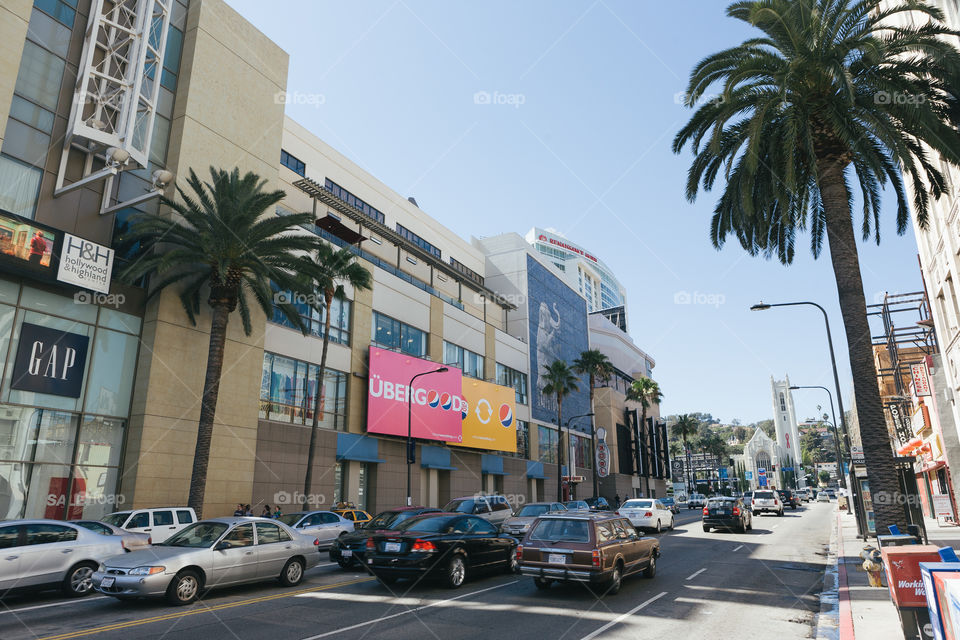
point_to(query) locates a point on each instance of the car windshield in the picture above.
(667, 501)
(464, 505)
(532, 510)
(429, 524)
(637, 504)
(117, 519)
(291, 519)
(561, 530)
(720, 502)
(385, 519)
(763, 495)
(576, 504)
(198, 535)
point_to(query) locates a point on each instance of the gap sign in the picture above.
(50, 361)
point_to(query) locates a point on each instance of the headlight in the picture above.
(146, 571)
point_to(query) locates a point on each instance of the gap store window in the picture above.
(288, 393)
(60, 442)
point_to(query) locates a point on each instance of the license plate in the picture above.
(391, 547)
(557, 558)
(347, 553)
(106, 582)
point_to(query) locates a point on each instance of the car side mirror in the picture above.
(222, 546)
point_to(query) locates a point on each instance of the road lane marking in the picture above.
(403, 613)
(623, 617)
(775, 526)
(198, 610)
(52, 604)
(738, 548)
(691, 577)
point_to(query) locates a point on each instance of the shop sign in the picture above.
(856, 454)
(603, 459)
(85, 264)
(899, 426)
(50, 361)
(942, 506)
(921, 382)
(920, 419)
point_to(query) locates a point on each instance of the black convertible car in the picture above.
(448, 546)
(349, 548)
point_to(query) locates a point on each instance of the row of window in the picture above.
(467, 271)
(510, 377)
(294, 164)
(398, 336)
(314, 319)
(413, 238)
(288, 391)
(472, 364)
(352, 200)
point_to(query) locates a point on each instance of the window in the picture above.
(162, 518)
(49, 533)
(19, 186)
(398, 336)
(288, 390)
(413, 238)
(284, 536)
(472, 364)
(292, 163)
(9, 537)
(342, 194)
(267, 533)
(184, 517)
(509, 377)
(242, 536)
(315, 319)
(481, 526)
(329, 518)
(783, 403)
(139, 519)
(547, 445)
(605, 532)
(467, 271)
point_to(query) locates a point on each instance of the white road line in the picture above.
(774, 526)
(696, 574)
(403, 613)
(52, 604)
(623, 617)
(738, 548)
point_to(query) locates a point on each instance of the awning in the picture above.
(333, 225)
(353, 446)
(535, 470)
(435, 458)
(492, 465)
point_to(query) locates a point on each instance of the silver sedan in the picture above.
(132, 540)
(210, 554)
(325, 525)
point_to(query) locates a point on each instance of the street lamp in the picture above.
(854, 493)
(836, 435)
(410, 452)
(560, 453)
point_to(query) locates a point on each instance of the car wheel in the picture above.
(672, 524)
(706, 529)
(742, 528)
(542, 583)
(780, 513)
(616, 579)
(512, 564)
(651, 569)
(456, 571)
(78, 581)
(345, 563)
(658, 528)
(750, 525)
(292, 573)
(184, 588)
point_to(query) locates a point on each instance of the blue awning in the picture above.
(353, 446)
(535, 470)
(435, 458)
(492, 465)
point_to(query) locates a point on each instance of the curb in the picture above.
(828, 619)
(846, 614)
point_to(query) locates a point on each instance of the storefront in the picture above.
(67, 374)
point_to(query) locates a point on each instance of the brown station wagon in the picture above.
(600, 548)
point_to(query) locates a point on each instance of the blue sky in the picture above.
(576, 136)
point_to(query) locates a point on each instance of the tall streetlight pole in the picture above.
(410, 452)
(560, 453)
(854, 492)
(836, 435)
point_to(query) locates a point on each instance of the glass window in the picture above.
(267, 533)
(113, 362)
(49, 533)
(139, 519)
(9, 537)
(292, 163)
(113, 319)
(40, 76)
(58, 9)
(48, 32)
(509, 377)
(19, 185)
(92, 491)
(184, 516)
(159, 139)
(288, 390)
(26, 143)
(329, 518)
(393, 334)
(241, 536)
(547, 445)
(470, 363)
(162, 518)
(284, 536)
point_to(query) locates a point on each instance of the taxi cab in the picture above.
(350, 511)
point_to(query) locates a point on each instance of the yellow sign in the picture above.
(489, 417)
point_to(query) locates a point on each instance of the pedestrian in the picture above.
(277, 513)
(616, 501)
(238, 512)
(38, 247)
(266, 511)
(247, 511)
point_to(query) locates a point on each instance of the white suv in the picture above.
(696, 500)
(494, 508)
(160, 523)
(767, 501)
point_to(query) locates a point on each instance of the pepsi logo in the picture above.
(464, 410)
(433, 399)
(446, 401)
(506, 415)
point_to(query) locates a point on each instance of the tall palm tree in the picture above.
(647, 392)
(595, 364)
(686, 426)
(559, 381)
(334, 267)
(220, 245)
(826, 96)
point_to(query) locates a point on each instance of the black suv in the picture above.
(350, 547)
(788, 497)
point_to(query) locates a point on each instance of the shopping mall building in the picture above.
(100, 388)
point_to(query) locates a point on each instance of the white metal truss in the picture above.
(118, 82)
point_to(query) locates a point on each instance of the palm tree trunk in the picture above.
(593, 437)
(208, 405)
(884, 485)
(559, 448)
(646, 448)
(318, 402)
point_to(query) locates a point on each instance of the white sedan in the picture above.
(647, 513)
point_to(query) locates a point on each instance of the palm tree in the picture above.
(333, 268)
(598, 367)
(220, 246)
(647, 392)
(825, 96)
(685, 427)
(560, 381)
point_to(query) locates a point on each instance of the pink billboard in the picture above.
(435, 399)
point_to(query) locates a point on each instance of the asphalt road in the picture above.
(764, 583)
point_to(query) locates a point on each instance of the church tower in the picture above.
(785, 419)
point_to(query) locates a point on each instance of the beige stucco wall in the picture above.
(14, 17)
(226, 115)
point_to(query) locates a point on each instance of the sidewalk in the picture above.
(867, 612)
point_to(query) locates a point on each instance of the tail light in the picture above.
(423, 545)
(648, 514)
(150, 540)
(596, 558)
(316, 542)
(370, 544)
(736, 511)
(519, 553)
(706, 511)
(617, 512)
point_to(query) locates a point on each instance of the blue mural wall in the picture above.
(558, 331)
